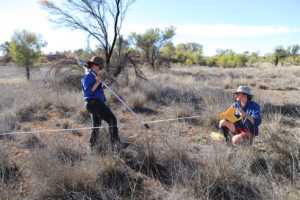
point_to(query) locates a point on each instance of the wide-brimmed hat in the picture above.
(243, 89)
(95, 60)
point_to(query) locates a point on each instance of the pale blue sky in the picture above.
(240, 25)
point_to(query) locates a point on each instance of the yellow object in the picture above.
(230, 115)
(217, 137)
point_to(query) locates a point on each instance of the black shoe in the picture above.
(227, 135)
(124, 145)
(120, 145)
(229, 140)
(94, 138)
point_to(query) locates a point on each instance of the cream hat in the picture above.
(243, 89)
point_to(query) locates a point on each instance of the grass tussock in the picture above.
(77, 175)
(8, 122)
(136, 100)
(183, 111)
(10, 172)
(197, 175)
(8, 169)
(283, 149)
(32, 142)
(31, 112)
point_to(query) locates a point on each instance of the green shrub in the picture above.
(188, 62)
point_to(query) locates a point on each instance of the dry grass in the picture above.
(77, 175)
(135, 100)
(10, 172)
(169, 161)
(13, 81)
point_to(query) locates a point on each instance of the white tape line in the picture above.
(101, 127)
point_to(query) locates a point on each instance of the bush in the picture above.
(8, 122)
(135, 100)
(212, 61)
(189, 53)
(229, 59)
(188, 62)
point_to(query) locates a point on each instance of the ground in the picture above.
(197, 92)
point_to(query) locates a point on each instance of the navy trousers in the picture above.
(100, 111)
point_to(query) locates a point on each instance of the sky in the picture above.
(253, 26)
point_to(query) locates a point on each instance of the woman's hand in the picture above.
(98, 81)
(242, 113)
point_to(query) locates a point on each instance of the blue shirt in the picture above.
(87, 82)
(253, 109)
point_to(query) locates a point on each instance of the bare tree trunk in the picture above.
(153, 59)
(27, 71)
(116, 32)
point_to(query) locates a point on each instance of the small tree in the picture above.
(189, 51)
(151, 42)
(5, 48)
(240, 60)
(253, 58)
(168, 50)
(228, 58)
(294, 52)
(25, 49)
(279, 55)
(212, 61)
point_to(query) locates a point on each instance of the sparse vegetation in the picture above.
(172, 160)
(176, 158)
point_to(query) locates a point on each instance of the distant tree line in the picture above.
(154, 47)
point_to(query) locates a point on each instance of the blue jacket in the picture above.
(253, 109)
(87, 82)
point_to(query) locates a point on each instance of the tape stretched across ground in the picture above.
(102, 127)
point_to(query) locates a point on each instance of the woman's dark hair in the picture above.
(89, 65)
(249, 97)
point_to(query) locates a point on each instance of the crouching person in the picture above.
(246, 129)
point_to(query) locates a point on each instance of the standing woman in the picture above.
(94, 96)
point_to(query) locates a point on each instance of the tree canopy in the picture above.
(25, 49)
(279, 55)
(189, 53)
(151, 42)
(294, 52)
(5, 48)
(101, 20)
